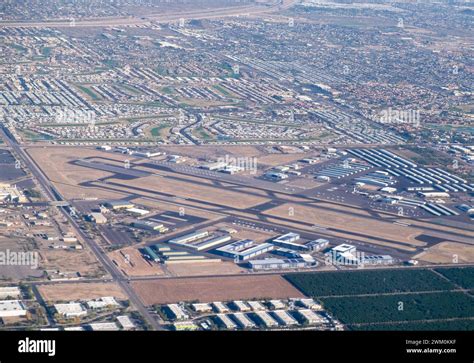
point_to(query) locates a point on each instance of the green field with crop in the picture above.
(461, 324)
(400, 307)
(368, 282)
(462, 276)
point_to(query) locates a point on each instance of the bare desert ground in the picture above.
(162, 291)
(448, 252)
(80, 291)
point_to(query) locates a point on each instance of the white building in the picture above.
(277, 304)
(177, 312)
(256, 305)
(70, 310)
(244, 321)
(241, 306)
(220, 307)
(104, 326)
(9, 291)
(202, 307)
(103, 302)
(284, 318)
(229, 324)
(125, 322)
(267, 320)
(12, 308)
(311, 317)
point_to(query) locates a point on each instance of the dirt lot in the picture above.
(162, 291)
(445, 252)
(204, 268)
(54, 162)
(71, 261)
(137, 266)
(80, 291)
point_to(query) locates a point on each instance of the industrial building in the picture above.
(126, 322)
(342, 254)
(275, 263)
(97, 218)
(138, 211)
(240, 305)
(288, 237)
(103, 302)
(377, 178)
(177, 312)
(311, 317)
(244, 250)
(150, 254)
(256, 305)
(310, 304)
(284, 318)
(149, 226)
(398, 167)
(266, 319)
(119, 204)
(104, 326)
(277, 304)
(70, 310)
(275, 176)
(220, 307)
(378, 260)
(288, 241)
(243, 321)
(225, 320)
(200, 245)
(190, 237)
(318, 245)
(9, 308)
(9, 292)
(202, 307)
(286, 253)
(11, 194)
(342, 170)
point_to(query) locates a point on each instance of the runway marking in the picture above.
(172, 217)
(162, 221)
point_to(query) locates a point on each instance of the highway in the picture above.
(53, 195)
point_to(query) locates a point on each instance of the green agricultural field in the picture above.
(462, 276)
(368, 282)
(400, 307)
(462, 324)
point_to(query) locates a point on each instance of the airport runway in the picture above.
(447, 235)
